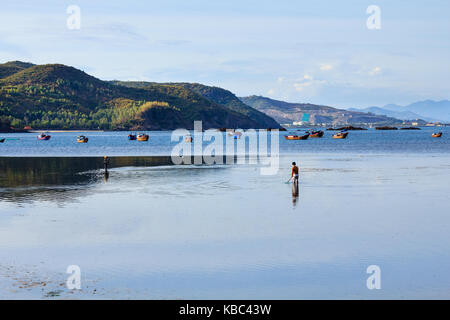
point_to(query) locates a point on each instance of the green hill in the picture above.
(215, 94)
(61, 97)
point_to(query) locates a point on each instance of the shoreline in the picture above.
(146, 130)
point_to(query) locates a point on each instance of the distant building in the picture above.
(305, 117)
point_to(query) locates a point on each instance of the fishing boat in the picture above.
(437, 135)
(142, 137)
(131, 136)
(43, 136)
(188, 138)
(82, 139)
(340, 135)
(294, 137)
(316, 134)
(2, 140)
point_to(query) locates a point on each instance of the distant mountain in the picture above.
(402, 115)
(285, 112)
(56, 96)
(439, 110)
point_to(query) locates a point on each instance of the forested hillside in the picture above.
(61, 97)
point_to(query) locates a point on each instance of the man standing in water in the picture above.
(294, 172)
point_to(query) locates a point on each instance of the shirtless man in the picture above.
(294, 172)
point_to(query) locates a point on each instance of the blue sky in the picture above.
(303, 51)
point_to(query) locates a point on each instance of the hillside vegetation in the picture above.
(217, 95)
(13, 67)
(56, 96)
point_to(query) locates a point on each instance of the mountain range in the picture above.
(428, 110)
(56, 96)
(287, 113)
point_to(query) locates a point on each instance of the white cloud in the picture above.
(308, 83)
(375, 71)
(271, 92)
(302, 86)
(326, 67)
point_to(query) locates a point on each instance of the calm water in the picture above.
(116, 143)
(154, 230)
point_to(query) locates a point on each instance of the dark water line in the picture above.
(56, 171)
(41, 171)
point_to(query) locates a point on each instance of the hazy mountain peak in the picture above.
(425, 109)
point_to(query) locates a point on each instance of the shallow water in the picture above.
(161, 231)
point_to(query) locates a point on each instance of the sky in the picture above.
(299, 51)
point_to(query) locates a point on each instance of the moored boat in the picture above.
(142, 137)
(82, 139)
(316, 134)
(340, 135)
(437, 135)
(43, 136)
(294, 137)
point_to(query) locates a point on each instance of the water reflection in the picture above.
(106, 175)
(294, 192)
(44, 171)
(60, 179)
(68, 179)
